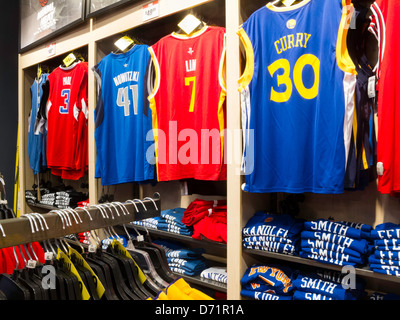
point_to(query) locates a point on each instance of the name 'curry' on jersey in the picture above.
(297, 82)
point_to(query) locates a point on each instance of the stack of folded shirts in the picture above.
(267, 282)
(208, 219)
(356, 286)
(313, 287)
(215, 273)
(273, 232)
(386, 257)
(198, 209)
(333, 243)
(182, 260)
(169, 220)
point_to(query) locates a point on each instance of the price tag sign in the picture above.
(51, 49)
(123, 43)
(151, 10)
(189, 24)
(69, 60)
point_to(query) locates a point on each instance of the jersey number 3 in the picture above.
(66, 95)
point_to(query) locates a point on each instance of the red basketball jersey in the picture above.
(385, 25)
(67, 121)
(188, 105)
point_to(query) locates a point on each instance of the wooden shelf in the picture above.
(363, 272)
(211, 247)
(211, 284)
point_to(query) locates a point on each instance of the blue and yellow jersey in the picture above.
(298, 81)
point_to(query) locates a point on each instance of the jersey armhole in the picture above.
(378, 29)
(247, 75)
(343, 58)
(222, 68)
(157, 74)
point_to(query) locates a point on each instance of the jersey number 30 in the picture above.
(284, 79)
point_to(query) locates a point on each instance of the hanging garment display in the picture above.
(67, 114)
(36, 130)
(123, 118)
(188, 105)
(385, 26)
(297, 97)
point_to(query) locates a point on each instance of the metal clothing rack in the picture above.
(35, 227)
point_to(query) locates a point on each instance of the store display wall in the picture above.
(9, 94)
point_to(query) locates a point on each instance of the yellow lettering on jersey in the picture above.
(306, 38)
(292, 41)
(299, 40)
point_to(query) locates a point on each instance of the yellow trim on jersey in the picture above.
(343, 58)
(222, 98)
(271, 7)
(248, 73)
(189, 36)
(153, 106)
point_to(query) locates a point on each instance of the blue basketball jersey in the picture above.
(123, 119)
(36, 132)
(296, 85)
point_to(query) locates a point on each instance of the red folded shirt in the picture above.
(198, 209)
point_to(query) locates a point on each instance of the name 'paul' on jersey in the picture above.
(123, 118)
(295, 88)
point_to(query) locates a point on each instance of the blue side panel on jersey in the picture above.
(298, 143)
(36, 137)
(123, 118)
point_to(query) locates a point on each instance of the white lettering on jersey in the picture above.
(126, 76)
(191, 65)
(67, 81)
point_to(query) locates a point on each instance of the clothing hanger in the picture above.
(157, 254)
(131, 262)
(280, 3)
(84, 273)
(11, 287)
(199, 27)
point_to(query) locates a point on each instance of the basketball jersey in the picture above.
(67, 115)
(386, 27)
(123, 118)
(297, 97)
(36, 134)
(188, 104)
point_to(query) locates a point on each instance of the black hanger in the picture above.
(11, 287)
(158, 256)
(132, 274)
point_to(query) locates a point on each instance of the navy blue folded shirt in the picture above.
(276, 225)
(333, 227)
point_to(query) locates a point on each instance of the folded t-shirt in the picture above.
(316, 244)
(301, 295)
(332, 227)
(326, 288)
(257, 295)
(277, 279)
(347, 242)
(319, 258)
(333, 255)
(386, 230)
(387, 255)
(276, 225)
